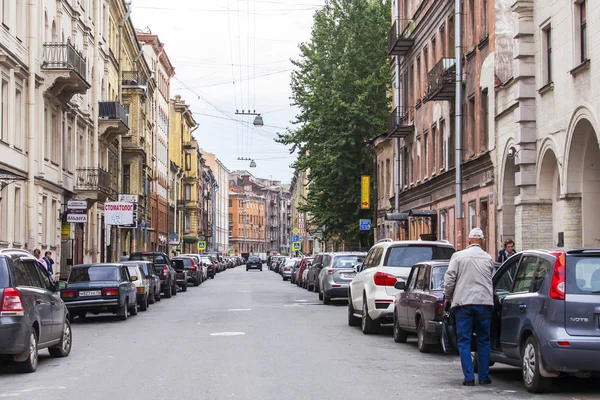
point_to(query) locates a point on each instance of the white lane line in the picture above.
(239, 309)
(227, 333)
(301, 301)
(244, 291)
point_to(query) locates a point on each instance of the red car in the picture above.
(306, 262)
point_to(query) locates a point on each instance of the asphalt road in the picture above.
(248, 335)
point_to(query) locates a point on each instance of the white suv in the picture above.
(372, 292)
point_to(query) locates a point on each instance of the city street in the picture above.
(248, 335)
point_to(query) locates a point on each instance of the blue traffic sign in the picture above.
(295, 238)
(365, 224)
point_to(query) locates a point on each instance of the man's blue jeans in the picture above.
(469, 319)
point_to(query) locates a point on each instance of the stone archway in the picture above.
(551, 208)
(508, 193)
(582, 220)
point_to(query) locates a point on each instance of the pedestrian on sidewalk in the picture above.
(468, 288)
(38, 256)
(49, 262)
(124, 257)
(507, 252)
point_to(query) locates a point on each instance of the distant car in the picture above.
(202, 268)
(100, 288)
(287, 268)
(419, 306)
(32, 314)
(295, 270)
(312, 276)
(546, 315)
(193, 270)
(218, 260)
(372, 291)
(254, 262)
(142, 286)
(335, 274)
(211, 269)
(181, 271)
(151, 275)
(306, 262)
(162, 266)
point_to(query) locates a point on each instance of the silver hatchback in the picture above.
(337, 273)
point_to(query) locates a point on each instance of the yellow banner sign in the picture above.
(365, 202)
(65, 230)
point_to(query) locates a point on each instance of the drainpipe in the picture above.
(397, 161)
(95, 218)
(458, 124)
(31, 130)
(214, 213)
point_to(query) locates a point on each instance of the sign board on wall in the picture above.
(77, 218)
(65, 230)
(118, 213)
(77, 211)
(365, 198)
(133, 199)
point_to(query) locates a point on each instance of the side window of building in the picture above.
(22, 278)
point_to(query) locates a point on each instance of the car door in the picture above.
(357, 285)
(58, 307)
(414, 298)
(128, 286)
(503, 282)
(402, 312)
(42, 300)
(515, 305)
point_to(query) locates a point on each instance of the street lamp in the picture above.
(252, 162)
(258, 120)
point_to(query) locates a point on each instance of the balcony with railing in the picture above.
(400, 39)
(94, 184)
(401, 122)
(113, 120)
(132, 79)
(65, 70)
(441, 80)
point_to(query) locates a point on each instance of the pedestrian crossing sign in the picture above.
(296, 246)
(201, 246)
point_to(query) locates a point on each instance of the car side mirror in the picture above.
(133, 278)
(400, 285)
(60, 285)
(357, 268)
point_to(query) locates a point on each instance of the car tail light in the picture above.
(68, 294)
(11, 302)
(165, 271)
(286, 269)
(141, 290)
(193, 265)
(383, 279)
(557, 285)
(110, 292)
(330, 272)
(563, 344)
(439, 311)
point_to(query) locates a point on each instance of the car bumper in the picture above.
(253, 267)
(434, 328)
(337, 292)
(13, 335)
(286, 274)
(93, 305)
(141, 297)
(581, 355)
(381, 307)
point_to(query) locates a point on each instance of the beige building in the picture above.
(221, 202)
(548, 125)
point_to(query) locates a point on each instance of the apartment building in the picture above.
(221, 202)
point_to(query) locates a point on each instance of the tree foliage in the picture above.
(341, 84)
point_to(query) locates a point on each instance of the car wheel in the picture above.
(196, 282)
(246, 269)
(400, 336)
(64, 347)
(530, 366)
(31, 363)
(167, 292)
(261, 270)
(326, 300)
(144, 305)
(368, 325)
(123, 311)
(353, 320)
(81, 315)
(422, 336)
(133, 310)
(320, 295)
(152, 298)
(174, 290)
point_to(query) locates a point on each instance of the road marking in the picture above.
(227, 333)
(244, 291)
(239, 309)
(301, 301)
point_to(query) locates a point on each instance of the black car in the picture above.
(181, 266)
(32, 315)
(254, 262)
(163, 267)
(152, 276)
(100, 288)
(211, 268)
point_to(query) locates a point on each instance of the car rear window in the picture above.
(437, 277)
(186, 261)
(156, 259)
(3, 274)
(407, 256)
(133, 271)
(347, 261)
(253, 259)
(145, 269)
(206, 260)
(93, 274)
(583, 275)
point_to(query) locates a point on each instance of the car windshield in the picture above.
(94, 274)
(407, 256)
(583, 275)
(437, 277)
(347, 261)
(145, 269)
(3, 274)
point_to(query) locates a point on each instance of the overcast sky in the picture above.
(214, 43)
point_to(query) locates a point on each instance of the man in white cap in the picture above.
(468, 287)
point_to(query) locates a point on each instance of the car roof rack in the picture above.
(384, 240)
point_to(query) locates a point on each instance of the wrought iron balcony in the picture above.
(401, 122)
(65, 69)
(442, 81)
(113, 120)
(399, 37)
(94, 184)
(132, 78)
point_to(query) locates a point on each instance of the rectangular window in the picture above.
(5, 12)
(20, 26)
(434, 148)
(188, 193)
(471, 129)
(127, 178)
(484, 14)
(405, 166)
(433, 51)
(44, 224)
(443, 228)
(4, 110)
(426, 152)
(17, 211)
(443, 41)
(425, 66)
(483, 121)
(19, 116)
(53, 222)
(547, 54)
(472, 21)
(188, 162)
(187, 223)
(472, 216)
(54, 145)
(583, 29)
(417, 76)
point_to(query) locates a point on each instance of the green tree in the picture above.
(341, 84)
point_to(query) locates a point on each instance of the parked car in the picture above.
(217, 259)
(163, 267)
(545, 318)
(199, 265)
(32, 315)
(287, 268)
(211, 270)
(254, 262)
(142, 286)
(151, 276)
(312, 276)
(100, 288)
(419, 306)
(335, 274)
(193, 270)
(181, 271)
(295, 271)
(372, 291)
(306, 262)
(305, 277)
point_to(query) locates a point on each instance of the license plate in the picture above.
(90, 293)
(347, 276)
